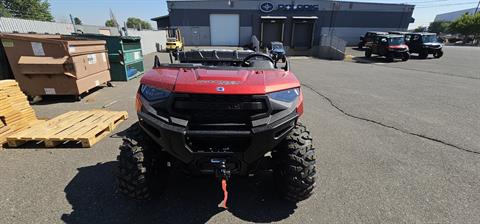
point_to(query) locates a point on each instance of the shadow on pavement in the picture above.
(371, 60)
(359, 49)
(94, 198)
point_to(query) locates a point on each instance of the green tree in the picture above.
(4, 12)
(26, 9)
(467, 25)
(77, 21)
(110, 23)
(138, 24)
(420, 29)
(439, 27)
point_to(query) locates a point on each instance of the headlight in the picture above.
(288, 95)
(154, 94)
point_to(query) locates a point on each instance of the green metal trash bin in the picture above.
(5, 70)
(125, 55)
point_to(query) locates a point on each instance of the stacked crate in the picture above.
(15, 111)
(19, 123)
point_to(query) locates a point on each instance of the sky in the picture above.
(96, 12)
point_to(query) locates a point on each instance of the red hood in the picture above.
(200, 80)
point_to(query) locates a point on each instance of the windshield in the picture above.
(277, 46)
(430, 39)
(396, 41)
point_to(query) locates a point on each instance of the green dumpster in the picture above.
(125, 55)
(5, 70)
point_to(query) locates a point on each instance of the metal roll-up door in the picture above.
(225, 29)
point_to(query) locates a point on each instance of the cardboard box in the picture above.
(56, 65)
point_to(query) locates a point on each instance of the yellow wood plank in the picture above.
(58, 125)
(47, 127)
(106, 125)
(55, 127)
(87, 127)
(70, 133)
(106, 122)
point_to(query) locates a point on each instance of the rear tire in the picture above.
(390, 57)
(368, 53)
(141, 170)
(423, 55)
(438, 54)
(295, 165)
(405, 56)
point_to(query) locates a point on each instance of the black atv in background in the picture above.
(368, 38)
(389, 46)
(424, 44)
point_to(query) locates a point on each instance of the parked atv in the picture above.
(424, 44)
(390, 46)
(221, 113)
(277, 51)
(368, 38)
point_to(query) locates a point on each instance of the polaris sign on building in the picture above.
(299, 24)
(267, 7)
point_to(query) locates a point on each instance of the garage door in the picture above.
(224, 29)
(272, 32)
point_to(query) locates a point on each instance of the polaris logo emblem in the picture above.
(266, 7)
(220, 89)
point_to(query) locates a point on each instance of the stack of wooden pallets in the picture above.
(15, 112)
(4, 129)
(19, 124)
(84, 127)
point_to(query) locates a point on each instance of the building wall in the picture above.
(348, 20)
(162, 22)
(10, 25)
(452, 16)
(150, 39)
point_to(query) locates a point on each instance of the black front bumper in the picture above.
(174, 137)
(433, 50)
(398, 53)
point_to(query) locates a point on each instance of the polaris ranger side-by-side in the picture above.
(424, 44)
(222, 113)
(390, 46)
(368, 38)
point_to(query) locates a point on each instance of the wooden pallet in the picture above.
(84, 127)
(15, 111)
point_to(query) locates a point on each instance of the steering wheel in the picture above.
(246, 60)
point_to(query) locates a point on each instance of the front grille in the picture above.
(201, 109)
(219, 123)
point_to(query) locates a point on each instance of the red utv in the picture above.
(222, 113)
(390, 46)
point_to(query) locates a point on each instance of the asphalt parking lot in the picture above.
(396, 143)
